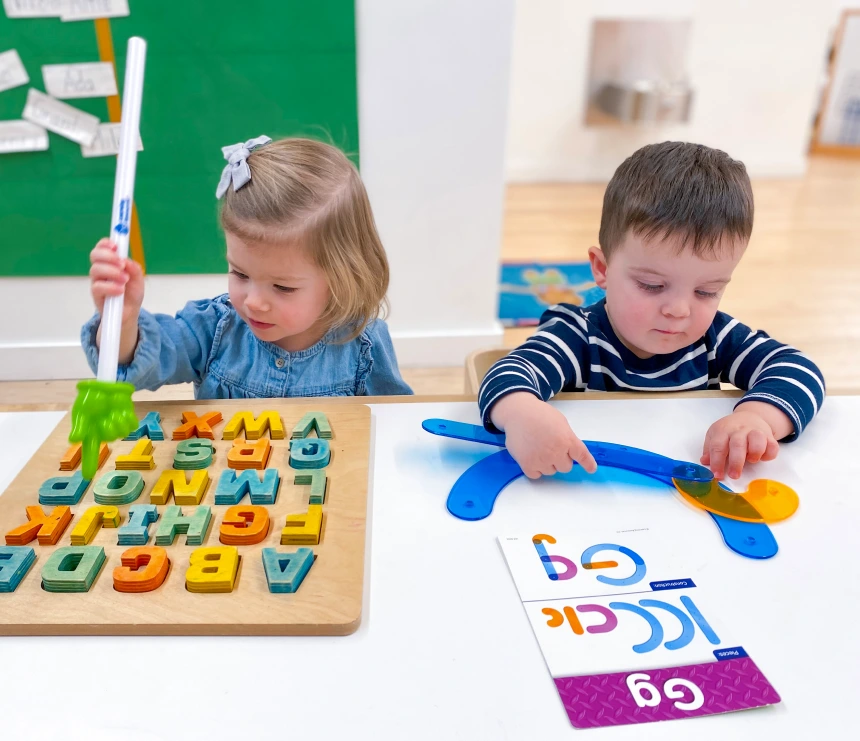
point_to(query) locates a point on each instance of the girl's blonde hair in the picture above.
(309, 192)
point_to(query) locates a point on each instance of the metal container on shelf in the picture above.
(645, 101)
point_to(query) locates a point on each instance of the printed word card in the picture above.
(627, 635)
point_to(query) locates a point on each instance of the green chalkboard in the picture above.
(217, 72)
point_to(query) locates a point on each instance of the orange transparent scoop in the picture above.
(764, 500)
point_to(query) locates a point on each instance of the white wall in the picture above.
(755, 66)
(433, 100)
(40, 335)
(433, 81)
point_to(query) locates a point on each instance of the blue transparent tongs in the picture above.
(474, 494)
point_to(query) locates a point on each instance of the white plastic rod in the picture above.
(123, 197)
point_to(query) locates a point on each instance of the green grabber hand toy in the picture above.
(103, 410)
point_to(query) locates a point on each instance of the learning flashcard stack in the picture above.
(627, 634)
(210, 518)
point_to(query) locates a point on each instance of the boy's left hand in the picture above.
(742, 437)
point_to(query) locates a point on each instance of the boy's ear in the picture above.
(598, 265)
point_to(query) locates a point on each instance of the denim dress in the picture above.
(208, 344)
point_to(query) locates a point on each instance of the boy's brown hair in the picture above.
(308, 191)
(681, 190)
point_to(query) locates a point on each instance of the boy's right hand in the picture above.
(111, 276)
(539, 437)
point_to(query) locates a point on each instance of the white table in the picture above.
(445, 650)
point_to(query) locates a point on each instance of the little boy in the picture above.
(676, 221)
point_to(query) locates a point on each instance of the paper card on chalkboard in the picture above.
(61, 118)
(106, 142)
(12, 72)
(85, 80)
(35, 8)
(22, 136)
(87, 10)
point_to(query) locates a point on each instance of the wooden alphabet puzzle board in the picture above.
(328, 599)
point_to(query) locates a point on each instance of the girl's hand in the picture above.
(112, 276)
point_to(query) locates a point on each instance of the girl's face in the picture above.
(278, 290)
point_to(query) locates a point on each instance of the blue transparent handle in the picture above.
(474, 494)
(750, 539)
(462, 431)
(606, 454)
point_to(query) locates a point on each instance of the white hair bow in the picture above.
(237, 169)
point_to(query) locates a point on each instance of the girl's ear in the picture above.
(598, 265)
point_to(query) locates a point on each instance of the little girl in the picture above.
(308, 275)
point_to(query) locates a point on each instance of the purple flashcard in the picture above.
(664, 694)
(626, 632)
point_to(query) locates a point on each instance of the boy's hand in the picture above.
(747, 435)
(111, 276)
(539, 437)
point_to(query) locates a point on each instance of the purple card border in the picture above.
(604, 699)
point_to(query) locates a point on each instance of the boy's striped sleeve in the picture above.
(771, 372)
(547, 362)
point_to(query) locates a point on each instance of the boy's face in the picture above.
(660, 298)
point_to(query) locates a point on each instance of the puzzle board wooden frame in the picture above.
(328, 602)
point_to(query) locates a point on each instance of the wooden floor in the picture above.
(799, 281)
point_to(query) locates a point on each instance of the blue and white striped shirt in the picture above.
(576, 349)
